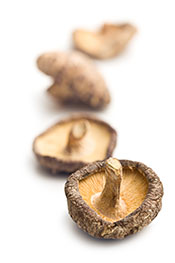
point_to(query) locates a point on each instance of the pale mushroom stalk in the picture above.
(108, 203)
(77, 135)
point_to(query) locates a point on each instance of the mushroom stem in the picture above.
(108, 203)
(76, 135)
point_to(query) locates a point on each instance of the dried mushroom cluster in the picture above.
(108, 42)
(76, 80)
(106, 197)
(112, 199)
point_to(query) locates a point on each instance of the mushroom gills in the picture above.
(60, 141)
(115, 192)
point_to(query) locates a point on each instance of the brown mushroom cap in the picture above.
(139, 195)
(108, 42)
(74, 142)
(76, 79)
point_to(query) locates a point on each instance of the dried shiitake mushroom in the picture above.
(108, 42)
(74, 142)
(76, 79)
(112, 199)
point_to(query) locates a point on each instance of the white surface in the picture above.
(35, 225)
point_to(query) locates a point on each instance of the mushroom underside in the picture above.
(108, 42)
(53, 143)
(133, 191)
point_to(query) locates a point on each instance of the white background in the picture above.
(34, 222)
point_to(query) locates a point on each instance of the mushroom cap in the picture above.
(92, 222)
(49, 146)
(76, 79)
(108, 42)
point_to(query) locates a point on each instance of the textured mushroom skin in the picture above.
(88, 220)
(55, 165)
(76, 79)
